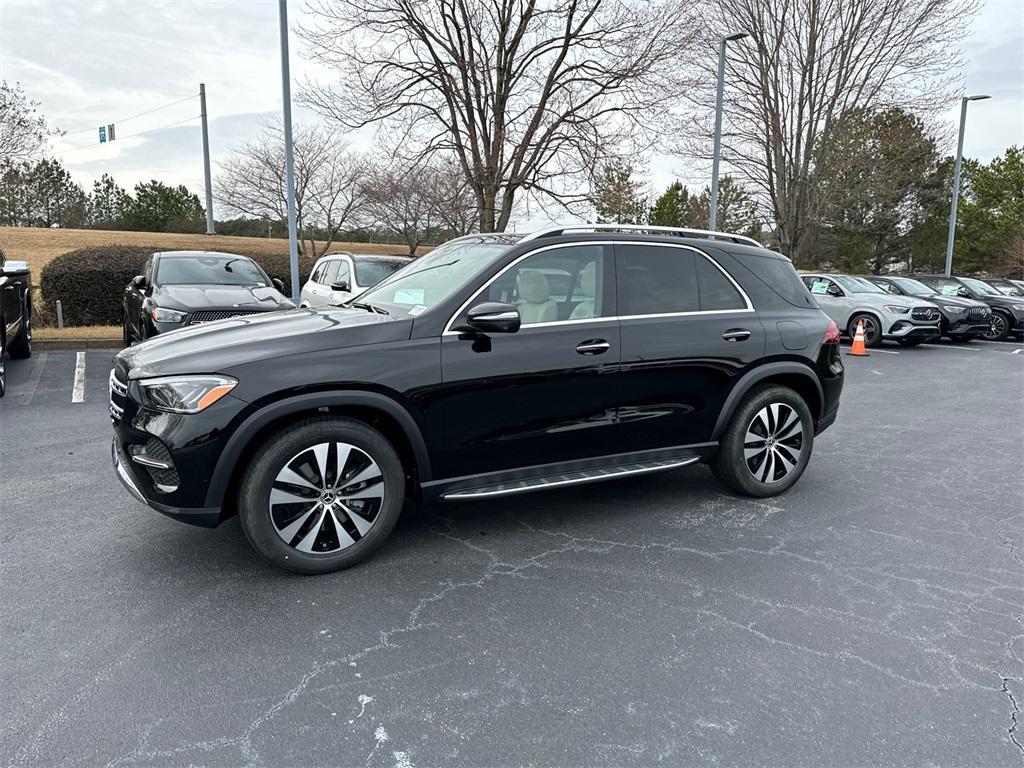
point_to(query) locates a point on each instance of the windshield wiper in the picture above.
(367, 307)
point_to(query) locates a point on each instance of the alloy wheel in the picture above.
(326, 498)
(996, 326)
(870, 331)
(773, 442)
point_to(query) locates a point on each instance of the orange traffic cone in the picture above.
(857, 349)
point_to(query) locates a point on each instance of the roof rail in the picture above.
(681, 231)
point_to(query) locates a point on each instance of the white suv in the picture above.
(848, 300)
(338, 277)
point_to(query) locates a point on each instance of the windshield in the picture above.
(369, 271)
(979, 286)
(429, 280)
(912, 286)
(209, 270)
(1006, 287)
(857, 284)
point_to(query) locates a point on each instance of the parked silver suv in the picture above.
(848, 300)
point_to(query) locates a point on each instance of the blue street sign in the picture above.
(103, 134)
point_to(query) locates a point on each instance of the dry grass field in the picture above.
(39, 246)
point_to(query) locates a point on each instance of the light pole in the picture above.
(956, 179)
(206, 160)
(713, 207)
(289, 158)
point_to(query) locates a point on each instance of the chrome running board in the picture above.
(568, 478)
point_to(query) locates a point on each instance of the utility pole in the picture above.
(713, 206)
(956, 180)
(289, 158)
(206, 159)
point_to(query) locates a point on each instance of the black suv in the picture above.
(15, 312)
(1007, 311)
(495, 365)
(962, 319)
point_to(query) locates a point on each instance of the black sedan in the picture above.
(962, 319)
(180, 288)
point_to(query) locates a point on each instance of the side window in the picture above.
(330, 270)
(889, 287)
(716, 291)
(654, 280)
(554, 284)
(818, 285)
(317, 271)
(343, 273)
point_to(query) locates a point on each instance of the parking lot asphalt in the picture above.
(874, 615)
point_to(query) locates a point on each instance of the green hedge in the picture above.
(90, 281)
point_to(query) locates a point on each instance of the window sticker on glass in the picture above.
(419, 309)
(949, 290)
(412, 296)
(819, 287)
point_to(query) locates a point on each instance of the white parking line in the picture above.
(883, 351)
(1017, 351)
(950, 346)
(78, 390)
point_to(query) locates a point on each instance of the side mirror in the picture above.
(963, 292)
(139, 281)
(341, 285)
(834, 291)
(493, 317)
(278, 283)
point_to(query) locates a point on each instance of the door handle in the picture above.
(593, 347)
(737, 334)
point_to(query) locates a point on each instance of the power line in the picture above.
(132, 117)
(129, 136)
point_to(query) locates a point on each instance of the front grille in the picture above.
(925, 313)
(209, 315)
(977, 313)
(118, 393)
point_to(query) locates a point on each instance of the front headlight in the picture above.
(896, 310)
(954, 310)
(184, 394)
(165, 315)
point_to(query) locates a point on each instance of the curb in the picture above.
(46, 345)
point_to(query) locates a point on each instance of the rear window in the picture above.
(369, 272)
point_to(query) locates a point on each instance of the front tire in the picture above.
(999, 327)
(767, 444)
(321, 495)
(21, 344)
(872, 329)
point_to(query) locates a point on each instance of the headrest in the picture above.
(588, 281)
(533, 286)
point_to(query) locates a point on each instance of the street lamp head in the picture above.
(979, 97)
(737, 36)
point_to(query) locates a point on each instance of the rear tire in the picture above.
(767, 444)
(321, 495)
(872, 329)
(21, 344)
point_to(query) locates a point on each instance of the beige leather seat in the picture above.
(535, 302)
(588, 290)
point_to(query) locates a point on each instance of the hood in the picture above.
(219, 346)
(1001, 300)
(190, 298)
(890, 299)
(952, 301)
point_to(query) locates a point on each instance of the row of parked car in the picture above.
(912, 310)
(182, 288)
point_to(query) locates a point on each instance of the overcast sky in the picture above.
(91, 62)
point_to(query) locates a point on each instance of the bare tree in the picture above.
(419, 204)
(329, 182)
(22, 129)
(806, 63)
(527, 95)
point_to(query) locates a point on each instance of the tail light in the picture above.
(831, 333)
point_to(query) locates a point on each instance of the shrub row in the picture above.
(90, 281)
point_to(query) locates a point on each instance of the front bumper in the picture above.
(203, 517)
(909, 329)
